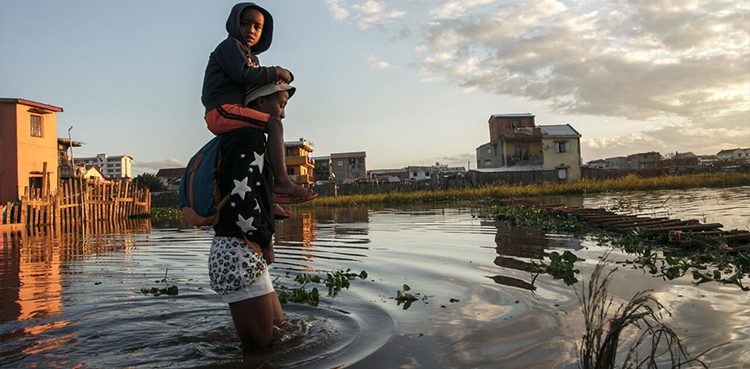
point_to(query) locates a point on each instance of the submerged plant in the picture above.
(607, 331)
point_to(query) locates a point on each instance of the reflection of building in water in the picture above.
(320, 234)
(33, 264)
(515, 245)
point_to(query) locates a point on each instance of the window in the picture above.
(489, 150)
(36, 126)
(516, 123)
(562, 146)
(487, 162)
(340, 163)
(290, 171)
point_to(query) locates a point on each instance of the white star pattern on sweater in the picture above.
(245, 224)
(258, 161)
(241, 187)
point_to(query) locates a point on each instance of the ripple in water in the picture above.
(316, 337)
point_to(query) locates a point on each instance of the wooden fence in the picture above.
(78, 204)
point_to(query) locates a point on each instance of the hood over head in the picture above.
(233, 27)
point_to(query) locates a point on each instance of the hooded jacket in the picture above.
(233, 66)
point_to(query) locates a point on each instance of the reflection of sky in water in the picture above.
(728, 206)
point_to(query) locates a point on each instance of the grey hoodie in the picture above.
(233, 66)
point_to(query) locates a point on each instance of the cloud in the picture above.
(680, 61)
(338, 9)
(455, 8)
(374, 14)
(140, 167)
(378, 64)
(458, 160)
(638, 59)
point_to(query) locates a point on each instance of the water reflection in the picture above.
(33, 269)
(329, 234)
(515, 246)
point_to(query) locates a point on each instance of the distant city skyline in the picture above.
(408, 82)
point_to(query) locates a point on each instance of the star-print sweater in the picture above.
(245, 174)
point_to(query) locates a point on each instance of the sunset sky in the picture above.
(410, 82)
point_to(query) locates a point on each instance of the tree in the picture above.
(150, 181)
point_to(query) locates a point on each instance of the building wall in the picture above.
(490, 155)
(345, 166)
(299, 164)
(111, 166)
(495, 154)
(22, 156)
(570, 160)
(501, 126)
(322, 168)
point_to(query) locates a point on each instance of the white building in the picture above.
(737, 154)
(113, 167)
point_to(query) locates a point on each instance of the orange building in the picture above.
(299, 164)
(28, 147)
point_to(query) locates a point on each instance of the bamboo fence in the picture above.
(78, 205)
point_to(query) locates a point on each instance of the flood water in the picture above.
(76, 301)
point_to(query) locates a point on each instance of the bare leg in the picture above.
(283, 185)
(254, 319)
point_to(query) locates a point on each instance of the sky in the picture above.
(410, 82)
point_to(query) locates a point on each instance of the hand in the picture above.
(268, 253)
(283, 75)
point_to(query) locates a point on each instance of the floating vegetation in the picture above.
(560, 267)
(300, 296)
(406, 298)
(335, 280)
(714, 261)
(170, 290)
(638, 323)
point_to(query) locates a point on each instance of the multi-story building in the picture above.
(322, 168)
(736, 154)
(617, 162)
(561, 150)
(644, 160)
(299, 164)
(516, 141)
(707, 159)
(28, 147)
(113, 167)
(349, 165)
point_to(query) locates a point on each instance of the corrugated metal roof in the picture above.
(516, 115)
(559, 130)
(32, 104)
(357, 154)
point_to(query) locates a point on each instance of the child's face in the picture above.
(274, 105)
(251, 26)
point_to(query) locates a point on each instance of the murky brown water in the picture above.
(76, 301)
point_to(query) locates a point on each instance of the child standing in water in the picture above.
(233, 68)
(242, 248)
